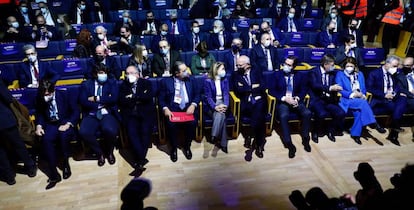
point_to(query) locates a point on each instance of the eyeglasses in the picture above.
(33, 53)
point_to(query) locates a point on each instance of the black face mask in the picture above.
(173, 19)
(150, 20)
(353, 28)
(240, 70)
(331, 31)
(235, 48)
(407, 70)
(99, 58)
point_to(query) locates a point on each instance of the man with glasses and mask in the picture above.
(231, 56)
(163, 62)
(264, 56)
(163, 35)
(179, 93)
(32, 70)
(289, 88)
(127, 40)
(151, 25)
(248, 85)
(193, 38)
(385, 95)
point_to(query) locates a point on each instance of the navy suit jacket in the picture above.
(110, 62)
(244, 36)
(258, 58)
(324, 41)
(327, 20)
(318, 91)
(300, 85)
(188, 43)
(68, 109)
(156, 39)
(229, 61)
(375, 85)
(243, 90)
(45, 71)
(141, 103)
(182, 26)
(283, 24)
(340, 55)
(167, 93)
(214, 43)
(158, 64)
(210, 93)
(109, 98)
(402, 84)
(359, 39)
(8, 119)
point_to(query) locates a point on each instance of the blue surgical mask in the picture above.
(83, 7)
(125, 19)
(15, 24)
(163, 33)
(32, 58)
(164, 51)
(287, 69)
(291, 15)
(24, 9)
(102, 78)
(185, 74)
(221, 73)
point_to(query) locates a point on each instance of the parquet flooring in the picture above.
(213, 180)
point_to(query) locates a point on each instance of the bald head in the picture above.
(408, 62)
(100, 50)
(243, 63)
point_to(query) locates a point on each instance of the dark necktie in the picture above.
(53, 110)
(99, 112)
(36, 72)
(388, 81)
(195, 41)
(246, 77)
(173, 28)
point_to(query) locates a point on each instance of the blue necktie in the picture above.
(53, 110)
(99, 112)
(289, 84)
(182, 95)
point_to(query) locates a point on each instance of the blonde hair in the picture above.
(214, 68)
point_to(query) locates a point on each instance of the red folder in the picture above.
(181, 117)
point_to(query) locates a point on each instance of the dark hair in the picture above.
(328, 58)
(202, 47)
(176, 66)
(348, 38)
(126, 26)
(46, 85)
(99, 67)
(349, 60)
(295, 60)
(84, 37)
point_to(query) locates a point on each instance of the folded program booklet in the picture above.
(181, 117)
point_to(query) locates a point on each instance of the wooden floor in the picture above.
(214, 180)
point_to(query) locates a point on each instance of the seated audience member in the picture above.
(43, 32)
(354, 30)
(371, 194)
(176, 26)
(126, 20)
(134, 193)
(99, 15)
(9, 133)
(405, 85)
(179, 93)
(230, 63)
(333, 16)
(49, 16)
(217, 11)
(248, 86)
(15, 32)
(101, 57)
(324, 99)
(244, 9)
(138, 114)
(202, 61)
(381, 83)
(192, 39)
(263, 56)
(290, 88)
(279, 9)
(83, 47)
(150, 25)
(216, 90)
(163, 62)
(276, 37)
(399, 196)
(141, 61)
(163, 35)
(353, 98)
(65, 28)
(127, 40)
(32, 70)
(80, 12)
(98, 99)
(289, 23)
(220, 39)
(328, 38)
(250, 37)
(24, 14)
(56, 117)
(304, 10)
(349, 49)
(102, 39)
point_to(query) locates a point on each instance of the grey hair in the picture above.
(391, 58)
(100, 27)
(28, 47)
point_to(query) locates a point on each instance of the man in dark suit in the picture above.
(289, 23)
(385, 94)
(192, 39)
(249, 87)
(151, 25)
(250, 37)
(176, 26)
(14, 32)
(290, 89)
(328, 38)
(138, 114)
(220, 39)
(163, 62)
(24, 14)
(279, 9)
(98, 99)
(56, 117)
(354, 30)
(32, 70)
(263, 56)
(126, 19)
(127, 40)
(230, 63)
(405, 83)
(333, 16)
(349, 49)
(42, 31)
(179, 93)
(10, 134)
(304, 9)
(80, 12)
(101, 57)
(163, 35)
(277, 38)
(324, 99)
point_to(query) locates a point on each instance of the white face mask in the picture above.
(221, 73)
(216, 30)
(291, 15)
(48, 98)
(83, 7)
(392, 70)
(333, 15)
(102, 78)
(43, 9)
(101, 36)
(353, 45)
(349, 69)
(331, 68)
(163, 33)
(145, 53)
(287, 69)
(303, 6)
(15, 24)
(32, 58)
(132, 78)
(247, 3)
(266, 43)
(196, 30)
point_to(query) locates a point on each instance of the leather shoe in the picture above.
(224, 149)
(307, 147)
(101, 161)
(111, 158)
(379, 128)
(248, 142)
(356, 139)
(32, 171)
(393, 137)
(53, 182)
(173, 155)
(66, 172)
(331, 136)
(292, 151)
(259, 152)
(315, 137)
(188, 154)
(9, 181)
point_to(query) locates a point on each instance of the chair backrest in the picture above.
(310, 24)
(51, 51)
(296, 39)
(313, 56)
(11, 51)
(372, 56)
(8, 72)
(292, 51)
